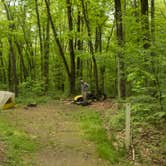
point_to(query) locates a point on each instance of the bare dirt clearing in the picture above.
(59, 134)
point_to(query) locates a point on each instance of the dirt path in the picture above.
(60, 136)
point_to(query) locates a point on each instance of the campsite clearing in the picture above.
(58, 131)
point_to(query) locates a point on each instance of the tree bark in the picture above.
(2, 67)
(155, 58)
(145, 23)
(61, 52)
(153, 20)
(46, 57)
(46, 51)
(22, 63)
(109, 37)
(14, 69)
(12, 75)
(120, 57)
(40, 35)
(71, 47)
(79, 46)
(91, 47)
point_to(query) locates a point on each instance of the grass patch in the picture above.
(18, 144)
(92, 126)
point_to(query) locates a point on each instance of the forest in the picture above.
(118, 47)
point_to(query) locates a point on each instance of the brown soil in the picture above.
(61, 140)
(2, 152)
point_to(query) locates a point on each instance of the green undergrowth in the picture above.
(92, 126)
(147, 130)
(115, 121)
(32, 99)
(18, 144)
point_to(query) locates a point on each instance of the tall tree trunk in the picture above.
(98, 41)
(153, 20)
(102, 71)
(109, 37)
(61, 52)
(9, 72)
(23, 68)
(71, 47)
(145, 23)
(98, 48)
(79, 47)
(46, 57)
(155, 58)
(120, 57)
(14, 69)
(91, 47)
(2, 67)
(40, 35)
(12, 75)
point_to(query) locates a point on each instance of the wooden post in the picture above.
(127, 129)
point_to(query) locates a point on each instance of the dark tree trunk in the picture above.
(120, 40)
(9, 72)
(79, 23)
(145, 23)
(46, 58)
(98, 41)
(79, 46)
(23, 68)
(98, 48)
(40, 35)
(71, 47)
(61, 52)
(46, 51)
(2, 68)
(12, 75)
(153, 20)
(13, 64)
(102, 71)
